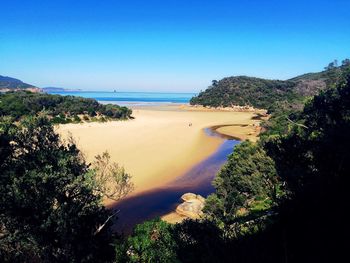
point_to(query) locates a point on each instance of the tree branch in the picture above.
(298, 124)
(104, 224)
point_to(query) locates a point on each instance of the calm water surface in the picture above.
(132, 98)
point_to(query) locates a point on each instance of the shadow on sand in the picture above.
(159, 201)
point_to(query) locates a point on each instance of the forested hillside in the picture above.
(7, 83)
(282, 199)
(268, 94)
(60, 109)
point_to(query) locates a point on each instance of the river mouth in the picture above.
(160, 201)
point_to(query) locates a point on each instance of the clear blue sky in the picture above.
(175, 45)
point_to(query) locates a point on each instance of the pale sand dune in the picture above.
(158, 145)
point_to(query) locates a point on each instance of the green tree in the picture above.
(49, 209)
(332, 65)
(346, 62)
(248, 177)
(317, 148)
(314, 161)
(152, 241)
(24, 103)
(199, 241)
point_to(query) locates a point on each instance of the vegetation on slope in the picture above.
(243, 90)
(284, 114)
(12, 83)
(51, 199)
(269, 94)
(60, 109)
(247, 184)
(283, 199)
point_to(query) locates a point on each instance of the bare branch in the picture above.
(111, 180)
(98, 230)
(298, 124)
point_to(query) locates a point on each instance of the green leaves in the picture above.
(248, 176)
(47, 205)
(152, 241)
(60, 109)
(242, 91)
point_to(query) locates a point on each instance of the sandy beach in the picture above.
(159, 144)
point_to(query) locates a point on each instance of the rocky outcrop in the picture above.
(192, 206)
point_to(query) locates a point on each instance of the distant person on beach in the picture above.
(190, 124)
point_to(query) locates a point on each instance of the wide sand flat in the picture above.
(158, 145)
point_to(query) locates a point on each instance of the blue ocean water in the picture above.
(132, 98)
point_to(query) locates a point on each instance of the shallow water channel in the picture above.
(160, 201)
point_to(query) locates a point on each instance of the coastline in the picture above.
(159, 145)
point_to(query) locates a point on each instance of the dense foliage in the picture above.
(268, 94)
(247, 183)
(152, 242)
(242, 90)
(158, 241)
(284, 114)
(284, 199)
(61, 109)
(50, 210)
(313, 159)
